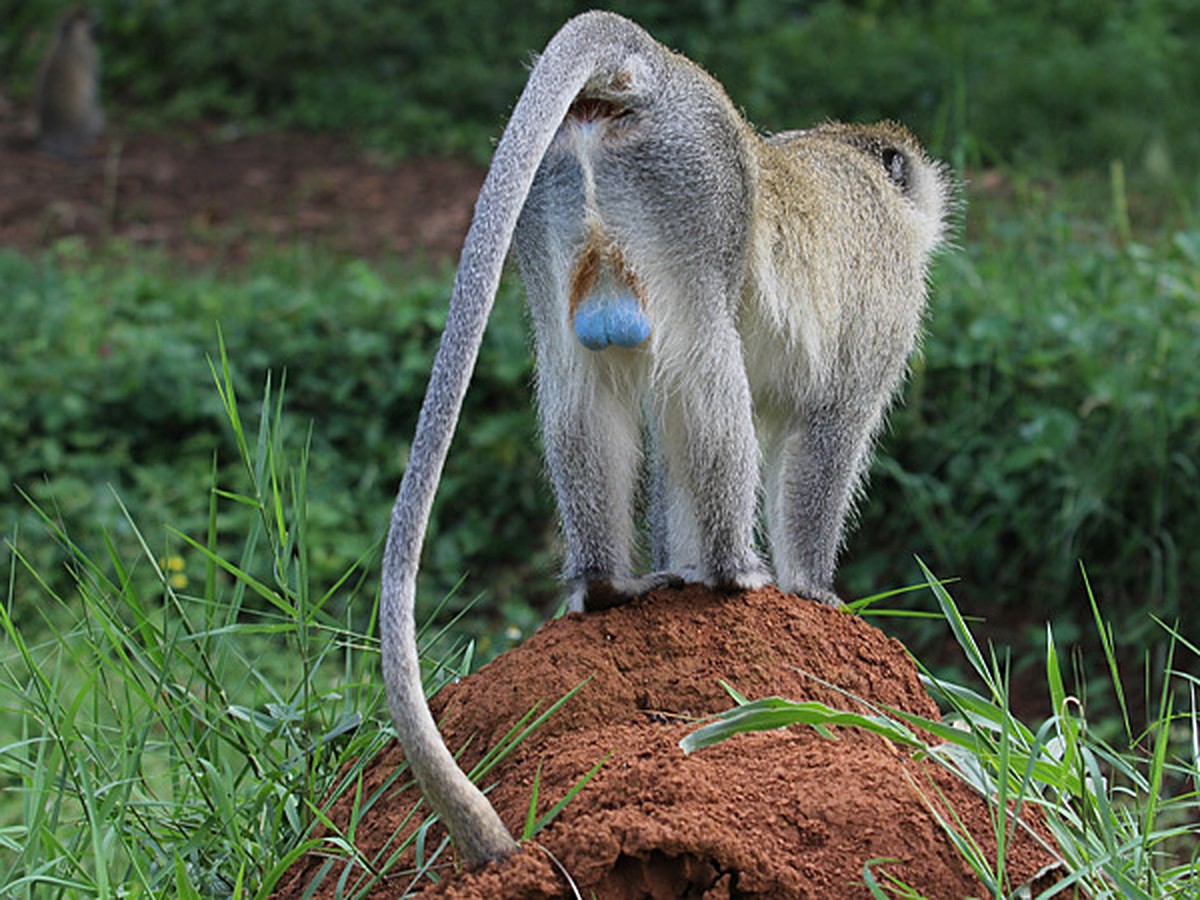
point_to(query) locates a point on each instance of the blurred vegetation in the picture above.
(107, 399)
(1051, 418)
(1064, 85)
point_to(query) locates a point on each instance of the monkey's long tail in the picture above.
(561, 73)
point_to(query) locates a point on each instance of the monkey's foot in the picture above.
(824, 596)
(594, 594)
(748, 579)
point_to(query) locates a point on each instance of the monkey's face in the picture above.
(81, 28)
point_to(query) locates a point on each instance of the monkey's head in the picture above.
(80, 26)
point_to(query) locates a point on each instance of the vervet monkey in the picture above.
(750, 303)
(68, 87)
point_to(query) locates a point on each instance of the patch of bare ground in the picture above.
(209, 198)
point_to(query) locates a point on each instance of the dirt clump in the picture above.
(785, 813)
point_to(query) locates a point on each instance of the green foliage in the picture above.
(1068, 85)
(166, 739)
(1071, 85)
(107, 392)
(1051, 418)
(172, 738)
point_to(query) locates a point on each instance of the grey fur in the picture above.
(785, 282)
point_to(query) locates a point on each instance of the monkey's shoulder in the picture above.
(887, 146)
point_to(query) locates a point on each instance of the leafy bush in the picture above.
(1050, 419)
(107, 392)
(1069, 85)
(1066, 85)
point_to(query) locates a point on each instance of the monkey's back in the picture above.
(847, 220)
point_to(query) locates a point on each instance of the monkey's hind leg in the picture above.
(705, 494)
(592, 434)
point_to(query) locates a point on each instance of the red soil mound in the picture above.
(785, 813)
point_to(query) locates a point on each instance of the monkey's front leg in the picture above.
(811, 485)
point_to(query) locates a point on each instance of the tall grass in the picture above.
(182, 741)
(105, 383)
(174, 740)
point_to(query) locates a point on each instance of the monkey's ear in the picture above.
(896, 164)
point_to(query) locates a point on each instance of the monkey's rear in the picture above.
(645, 196)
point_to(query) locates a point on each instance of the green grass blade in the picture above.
(958, 627)
(1104, 631)
(531, 812)
(775, 712)
(552, 813)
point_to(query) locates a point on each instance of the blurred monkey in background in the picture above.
(68, 86)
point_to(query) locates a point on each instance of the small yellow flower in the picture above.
(179, 581)
(175, 564)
